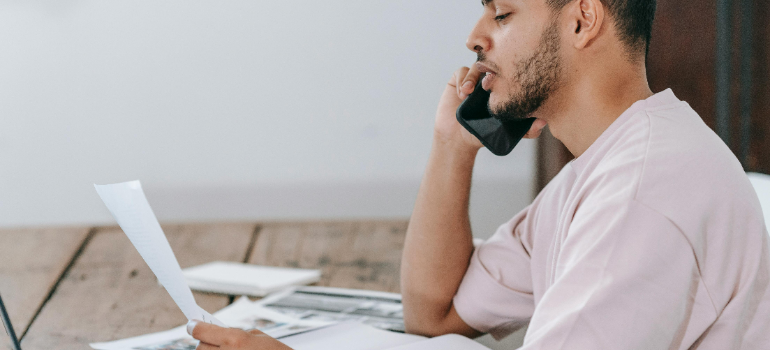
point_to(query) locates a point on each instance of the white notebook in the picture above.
(246, 279)
(444, 342)
(352, 335)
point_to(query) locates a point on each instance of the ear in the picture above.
(587, 17)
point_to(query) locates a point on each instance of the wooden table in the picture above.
(67, 287)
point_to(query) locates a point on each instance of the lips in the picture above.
(486, 83)
(489, 78)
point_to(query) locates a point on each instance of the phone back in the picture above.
(499, 136)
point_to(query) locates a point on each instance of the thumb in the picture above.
(209, 333)
(191, 326)
(536, 129)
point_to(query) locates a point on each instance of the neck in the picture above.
(587, 106)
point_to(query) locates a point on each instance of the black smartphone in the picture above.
(499, 136)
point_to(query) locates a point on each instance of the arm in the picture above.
(439, 243)
(628, 279)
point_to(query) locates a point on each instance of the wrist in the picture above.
(454, 147)
(453, 153)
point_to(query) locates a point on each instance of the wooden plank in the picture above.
(31, 261)
(373, 261)
(312, 245)
(350, 254)
(110, 293)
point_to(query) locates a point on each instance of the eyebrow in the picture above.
(486, 2)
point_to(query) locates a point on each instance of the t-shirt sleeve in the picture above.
(495, 295)
(624, 279)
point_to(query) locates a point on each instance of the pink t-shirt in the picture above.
(652, 239)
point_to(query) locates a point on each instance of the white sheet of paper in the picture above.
(129, 206)
(444, 342)
(350, 335)
(176, 335)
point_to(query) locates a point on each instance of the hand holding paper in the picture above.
(129, 206)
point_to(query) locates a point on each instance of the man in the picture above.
(652, 238)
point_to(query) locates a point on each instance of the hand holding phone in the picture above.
(499, 136)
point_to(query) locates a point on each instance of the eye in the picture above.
(502, 17)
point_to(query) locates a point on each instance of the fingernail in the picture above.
(468, 85)
(191, 326)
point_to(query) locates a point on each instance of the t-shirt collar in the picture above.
(660, 99)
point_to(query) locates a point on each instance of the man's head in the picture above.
(632, 20)
(532, 48)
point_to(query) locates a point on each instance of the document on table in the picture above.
(444, 342)
(377, 309)
(349, 335)
(352, 335)
(296, 333)
(129, 206)
(242, 314)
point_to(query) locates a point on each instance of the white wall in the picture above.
(231, 110)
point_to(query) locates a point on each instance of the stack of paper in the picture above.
(245, 279)
(377, 309)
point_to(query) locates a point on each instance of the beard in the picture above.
(538, 76)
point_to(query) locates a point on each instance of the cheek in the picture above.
(514, 45)
(504, 87)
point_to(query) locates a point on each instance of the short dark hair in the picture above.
(633, 20)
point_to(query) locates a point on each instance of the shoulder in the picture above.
(667, 155)
(692, 178)
(686, 163)
(669, 160)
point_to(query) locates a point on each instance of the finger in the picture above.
(536, 129)
(214, 335)
(255, 332)
(457, 78)
(204, 346)
(533, 134)
(470, 80)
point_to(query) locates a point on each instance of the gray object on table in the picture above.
(9, 326)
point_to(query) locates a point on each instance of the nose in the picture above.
(478, 40)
